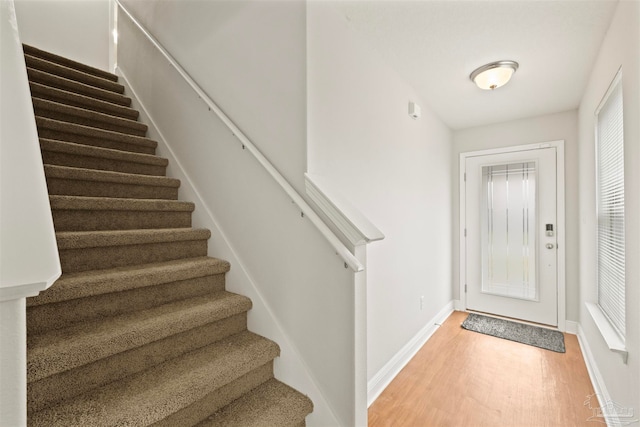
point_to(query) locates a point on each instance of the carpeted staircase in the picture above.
(139, 329)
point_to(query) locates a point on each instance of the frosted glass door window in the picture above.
(508, 224)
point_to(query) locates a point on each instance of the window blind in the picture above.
(610, 206)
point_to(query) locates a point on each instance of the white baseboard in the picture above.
(594, 374)
(389, 371)
(571, 327)
(458, 305)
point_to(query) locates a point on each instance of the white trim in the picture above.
(295, 362)
(349, 220)
(571, 327)
(560, 219)
(390, 370)
(594, 374)
(609, 334)
(604, 321)
(513, 149)
(13, 362)
(341, 250)
(113, 31)
(561, 235)
(612, 86)
(26, 290)
(462, 224)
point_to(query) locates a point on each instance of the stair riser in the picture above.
(47, 317)
(95, 220)
(202, 409)
(75, 100)
(112, 126)
(94, 141)
(38, 53)
(69, 187)
(48, 391)
(72, 74)
(73, 260)
(73, 86)
(100, 163)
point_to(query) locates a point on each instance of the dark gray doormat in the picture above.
(518, 332)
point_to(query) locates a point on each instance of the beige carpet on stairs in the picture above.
(139, 330)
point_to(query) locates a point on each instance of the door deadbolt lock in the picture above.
(549, 230)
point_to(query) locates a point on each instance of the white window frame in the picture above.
(613, 331)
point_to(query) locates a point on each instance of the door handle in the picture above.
(550, 245)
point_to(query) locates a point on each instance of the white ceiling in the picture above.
(434, 45)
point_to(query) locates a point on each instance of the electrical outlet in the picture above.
(421, 302)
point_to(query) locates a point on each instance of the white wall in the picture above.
(29, 260)
(393, 168)
(303, 296)
(28, 249)
(620, 47)
(249, 57)
(76, 29)
(519, 132)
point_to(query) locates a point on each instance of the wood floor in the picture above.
(462, 378)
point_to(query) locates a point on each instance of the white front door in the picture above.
(511, 229)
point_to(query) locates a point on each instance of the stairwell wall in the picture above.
(395, 170)
(251, 56)
(75, 29)
(303, 295)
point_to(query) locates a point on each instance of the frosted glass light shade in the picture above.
(494, 75)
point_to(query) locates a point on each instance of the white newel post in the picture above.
(13, 363)
(29, 261)
(360, 333)
(356, 231)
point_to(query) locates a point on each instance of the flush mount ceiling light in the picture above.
(493, 75)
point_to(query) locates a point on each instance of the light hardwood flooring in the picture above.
(462, 378)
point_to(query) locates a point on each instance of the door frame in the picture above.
(560, 219)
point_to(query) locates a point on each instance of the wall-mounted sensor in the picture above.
(414, 110)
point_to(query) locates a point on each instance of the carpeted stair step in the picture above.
(147, 338)
(69, 181)
(63, 153)
(61, 350)
(86, 284)
(139, 329)
(77, 100)
(163, 390)
(78, 213)
(49, 79)
(271, 404)
(81, 116)
(98, 250)
(90, 295)
(38, 53)
(218, 399)
(72, 74)
(71, 132)
(54, 389)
